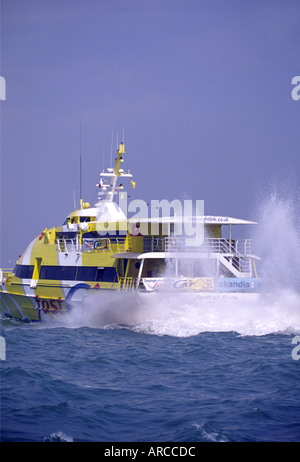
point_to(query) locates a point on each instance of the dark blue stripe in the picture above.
(69, 273)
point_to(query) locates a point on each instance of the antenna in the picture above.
(80, 166)
(111, 145)
(103, 151)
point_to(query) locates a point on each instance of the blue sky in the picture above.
(201, 88)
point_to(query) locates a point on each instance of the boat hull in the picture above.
(27, 308)
(31, 308)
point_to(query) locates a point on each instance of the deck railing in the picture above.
(127, 283)
(91, 245)
(239, 247)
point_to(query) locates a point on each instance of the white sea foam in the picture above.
(278, 243)
(58, 437)
(178, 315)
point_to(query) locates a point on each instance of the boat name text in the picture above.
(49, 306)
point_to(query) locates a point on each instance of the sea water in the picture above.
(165, 371)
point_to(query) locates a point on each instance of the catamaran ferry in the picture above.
(100, 249)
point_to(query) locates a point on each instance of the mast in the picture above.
(118, 161)
(108, 180)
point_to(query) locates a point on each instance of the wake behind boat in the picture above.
(100, 249)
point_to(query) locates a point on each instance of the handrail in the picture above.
(127, 283)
